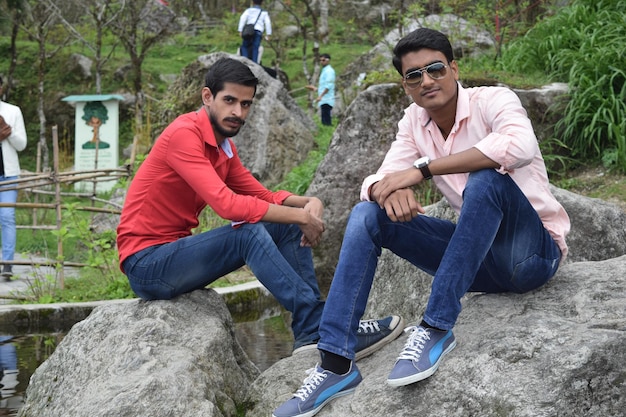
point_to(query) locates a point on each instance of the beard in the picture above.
(217, 127)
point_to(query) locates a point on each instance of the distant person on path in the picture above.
(13, 140)
(193, 164)
(325, 90)
(260, 18)
(478, 147)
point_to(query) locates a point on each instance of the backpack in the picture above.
(248, 29)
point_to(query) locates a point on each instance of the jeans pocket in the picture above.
(532, 273)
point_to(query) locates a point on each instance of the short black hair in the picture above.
(257, 1)
(325, 56)
(229, 70)
(422, 38)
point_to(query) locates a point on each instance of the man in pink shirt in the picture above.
(478, 146)
(194, 163)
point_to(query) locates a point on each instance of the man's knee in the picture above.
(485, 181)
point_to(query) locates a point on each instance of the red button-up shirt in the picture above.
(184, 172)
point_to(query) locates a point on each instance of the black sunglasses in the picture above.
(436, 71)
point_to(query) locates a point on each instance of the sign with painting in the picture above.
(97, 136)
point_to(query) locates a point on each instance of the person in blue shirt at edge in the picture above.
(326, 90)
(250, 47)
(509, 236)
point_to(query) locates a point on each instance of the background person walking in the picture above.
(325, 90)
(260, 18)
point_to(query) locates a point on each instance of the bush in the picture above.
(584, 45)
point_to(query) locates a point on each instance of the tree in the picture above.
(39, 22)
(13, 9)
(142, 25)
(102, 14)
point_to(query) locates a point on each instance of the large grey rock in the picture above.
(356, 150)
(146, 359)
(557, 351)
(278, 134)
(544, 107)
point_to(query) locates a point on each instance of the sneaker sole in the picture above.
(397, 331)
(317, 409)
(400, 382)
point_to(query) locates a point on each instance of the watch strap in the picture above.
(425, 171)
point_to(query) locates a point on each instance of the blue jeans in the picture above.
(7, 220)
(499, 244)
(272, 251)
(250, 47)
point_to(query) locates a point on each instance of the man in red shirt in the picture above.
(194, 163)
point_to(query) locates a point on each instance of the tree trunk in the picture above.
(17, 18)
(40, 102)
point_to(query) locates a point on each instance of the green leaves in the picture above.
(583, 44)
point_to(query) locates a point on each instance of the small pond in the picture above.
(266, 339)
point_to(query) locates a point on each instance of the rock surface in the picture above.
(558, 351)
(146, 359)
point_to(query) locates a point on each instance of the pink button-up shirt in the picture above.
(492, 120)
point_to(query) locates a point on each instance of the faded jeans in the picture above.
(272, 251)
(7, 221)
(499, 244)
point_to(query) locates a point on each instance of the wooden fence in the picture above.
(49, 183)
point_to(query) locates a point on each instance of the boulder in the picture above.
(357, 148)
(557, 351)
(151, 359)
(80, 66)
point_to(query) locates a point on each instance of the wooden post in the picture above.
(58, 202)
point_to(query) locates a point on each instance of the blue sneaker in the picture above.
(371, 336)
(318, 389)
(374, 334)
(421, 355)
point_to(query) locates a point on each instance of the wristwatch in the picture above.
(422, 165)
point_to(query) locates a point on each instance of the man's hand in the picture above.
(312, 231)
(381, 190)
(402, 206)
(312, 235)
(5, 129)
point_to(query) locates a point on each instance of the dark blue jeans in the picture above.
(250, 47)
(272, 251)
(499, 244)
(325, 110)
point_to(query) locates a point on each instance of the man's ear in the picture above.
(207, 96)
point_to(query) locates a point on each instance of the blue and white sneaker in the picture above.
(421, 355)
(318, 389)
(371, 336)
(374, 334)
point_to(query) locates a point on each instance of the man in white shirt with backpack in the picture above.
(260, 18)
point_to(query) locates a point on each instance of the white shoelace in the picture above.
(368, 326)
(415, 343)
(311, 383)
